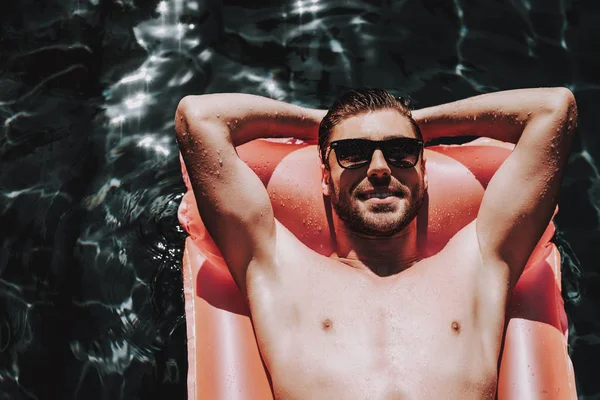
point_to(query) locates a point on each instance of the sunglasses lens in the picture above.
(402, 153)
(353, 154)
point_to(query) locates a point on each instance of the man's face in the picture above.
(352, 191)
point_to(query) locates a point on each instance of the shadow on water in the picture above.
(90, 285)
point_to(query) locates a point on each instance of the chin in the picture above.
(375, 220)
(388, 227)
(390, 220)
(378, 223)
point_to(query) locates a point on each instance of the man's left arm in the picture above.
(522, 195)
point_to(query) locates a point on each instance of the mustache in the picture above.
(388, 186)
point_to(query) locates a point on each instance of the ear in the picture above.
(325, 179)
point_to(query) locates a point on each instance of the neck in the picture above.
(382, 255)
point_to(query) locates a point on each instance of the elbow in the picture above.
(190, 114)
(563, 103)
(196, 108)
(182, 116)
(567, 110)
(559, 106)
(188, 108)
(184, 106)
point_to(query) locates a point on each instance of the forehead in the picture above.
(374, 125)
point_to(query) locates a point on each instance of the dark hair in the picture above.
(358, 101)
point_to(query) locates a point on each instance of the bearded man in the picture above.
(376, 320)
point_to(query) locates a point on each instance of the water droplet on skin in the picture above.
(218, 116)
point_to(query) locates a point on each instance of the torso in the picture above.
(327, 330)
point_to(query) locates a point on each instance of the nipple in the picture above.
(327, 324)
(455, 327)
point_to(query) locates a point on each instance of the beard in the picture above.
(380, 219)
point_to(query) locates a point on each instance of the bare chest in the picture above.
(410, 332)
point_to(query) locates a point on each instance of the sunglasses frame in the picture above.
(378, 145)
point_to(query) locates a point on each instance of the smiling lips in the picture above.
(379, 195)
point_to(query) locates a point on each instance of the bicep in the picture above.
(521, 197)
(232, 201)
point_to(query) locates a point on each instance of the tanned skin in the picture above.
(374, 320)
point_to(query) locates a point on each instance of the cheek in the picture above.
(338, 193)
(333, 189)
(419, 190)
(415, 188)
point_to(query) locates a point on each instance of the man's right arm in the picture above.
(232, 201)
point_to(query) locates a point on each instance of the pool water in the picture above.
(91, 302)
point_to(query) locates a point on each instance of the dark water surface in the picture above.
(91, 300)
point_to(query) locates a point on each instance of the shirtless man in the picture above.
(376, 320)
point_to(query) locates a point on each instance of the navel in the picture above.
(455, 327)
(327, 324)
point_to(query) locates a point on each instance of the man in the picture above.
(375, 321)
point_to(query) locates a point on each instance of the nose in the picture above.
(378, 166)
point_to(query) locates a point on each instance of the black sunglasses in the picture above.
(400, 152)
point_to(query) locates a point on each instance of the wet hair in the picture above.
(359, 101)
